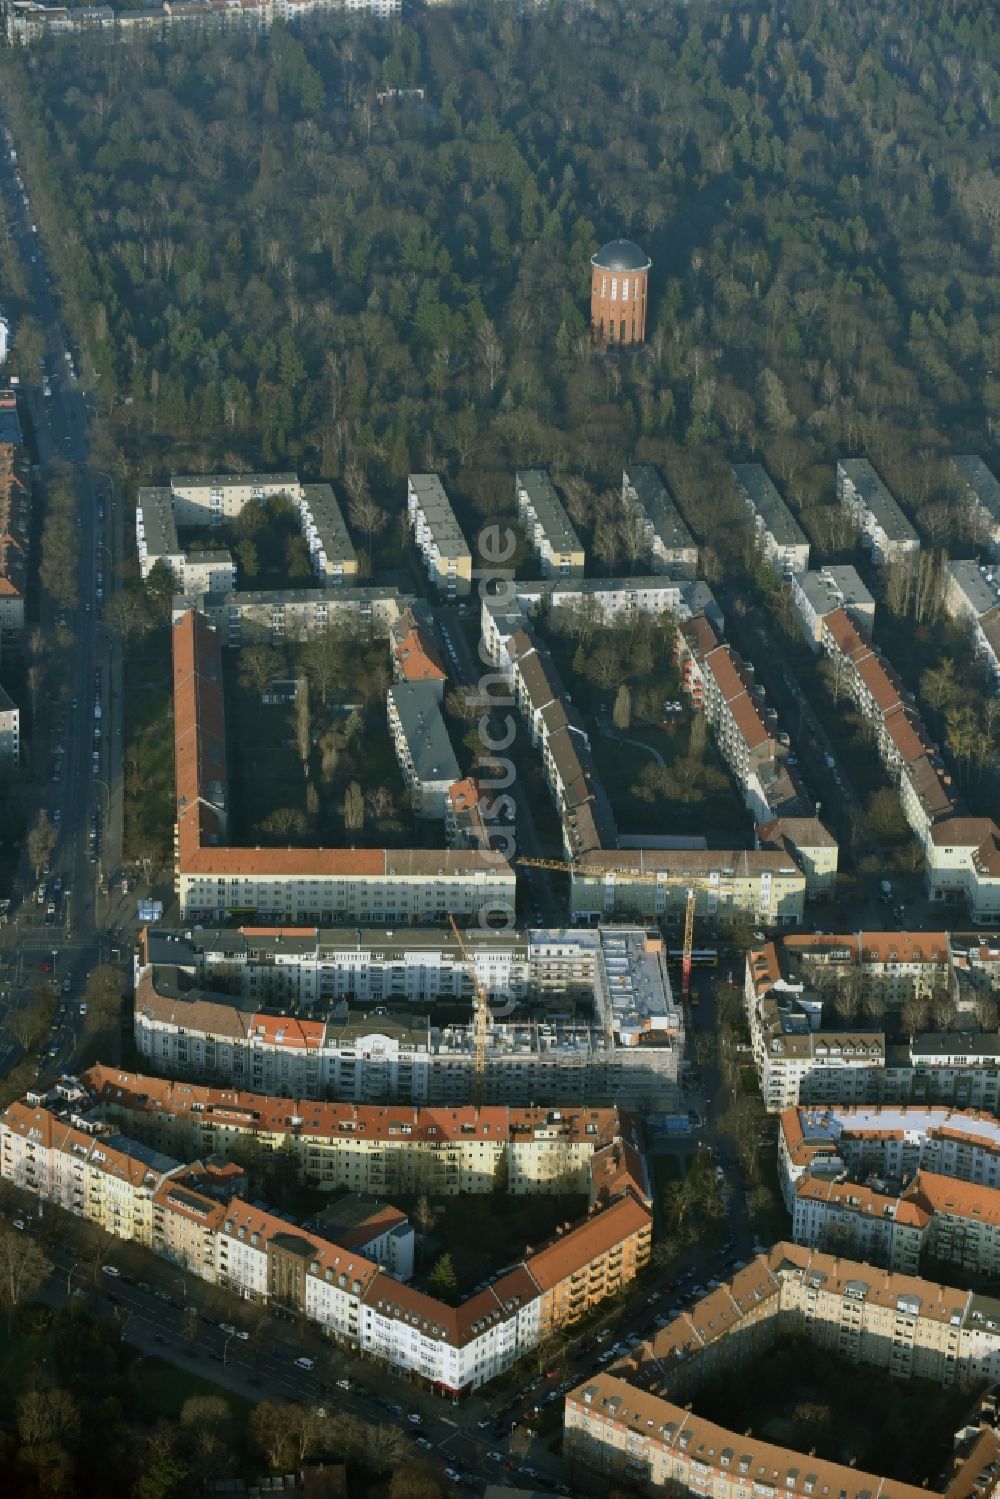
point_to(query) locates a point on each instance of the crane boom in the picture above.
(481, 1028)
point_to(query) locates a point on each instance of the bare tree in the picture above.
(41, 842)
(354, 807)
(303, 727)
(23, 1267)
(490, 351)
(621, 713)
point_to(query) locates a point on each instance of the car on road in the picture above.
(227, 1327)
(305, 1363)
(83, 1009)
(344, 1384)
(495, 1457)
(425, 1444)
(414, 1418)
(66, 984)
(111, 1270)
(19, 1224)
(453, 1474)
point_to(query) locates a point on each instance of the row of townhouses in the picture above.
(635, 1424)
(208, 501)
(721, 685)
(27, 21)
(215, 880)
(799, 1061)
(577, 1016)
(54, 1146)
(962, 854)
(373, 1149)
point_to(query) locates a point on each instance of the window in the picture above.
(614, 288)
(604, 286)
(623, 331)
(625, 289)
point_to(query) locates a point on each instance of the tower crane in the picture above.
(693, 885)
(481, 1029)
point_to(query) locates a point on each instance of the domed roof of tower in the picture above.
(621, 255)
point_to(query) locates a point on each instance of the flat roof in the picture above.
(438, 515)
(642, 482)
(424, 729)
(876, 498)
(329, 523)
(829, 588)
(973, 471)
(550, 513)
(155, 510)
(755, 482)
(980, 585)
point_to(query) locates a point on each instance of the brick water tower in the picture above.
(619, 273)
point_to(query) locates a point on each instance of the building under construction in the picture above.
(365, 1014)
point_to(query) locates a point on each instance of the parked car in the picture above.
(305, 1363)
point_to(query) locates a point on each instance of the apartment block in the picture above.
(438, 536)
(670, 546)
(378, 1149)
(963, 863)
(547, 526)
(978, 489)
(600, 600)
(57, 1147)
(809, 844)
(951, 1221)
(781, 538)
(818, 593)
(889, 1142)
(764, 886)
(746, 730)
(210, 501)
(345, 1043)
(10, 732)
(973, 595)
(272, 616)
(798, 1061)
(904, 746)
(415, 654)
(635, 1424)
(885, 531)
(423, 748)
(215, 879)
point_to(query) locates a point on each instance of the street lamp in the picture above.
(225, 1348)
(69, 1278)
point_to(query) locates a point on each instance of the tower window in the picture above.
(614, 288)
(604, 286)
(625, 289)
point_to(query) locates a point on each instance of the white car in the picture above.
(227, 1327)
(305, 1363)
(111, 1270)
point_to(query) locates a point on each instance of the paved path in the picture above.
(612, 733)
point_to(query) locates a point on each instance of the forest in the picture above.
(266, 263)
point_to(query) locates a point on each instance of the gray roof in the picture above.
(424, 731)
(980, 592)
(550, 513)
(438, 515)
(956, 1043)
(876, 499)
(971, 469)
(159, 527)
(829, 588)
(642, 484)
(755, 483)
(273, 482)
(621, 255)
(329, 523)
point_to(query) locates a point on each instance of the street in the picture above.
(76, 746)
